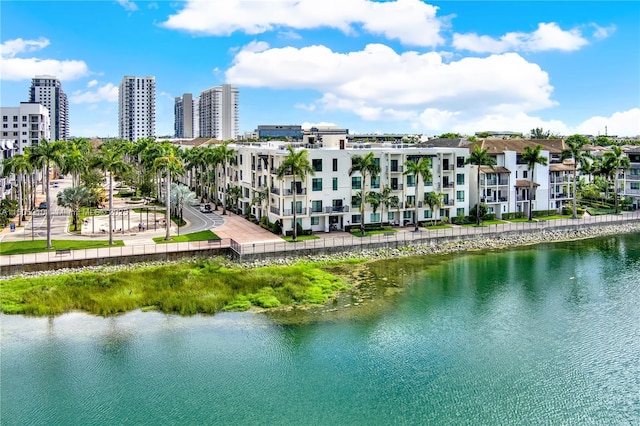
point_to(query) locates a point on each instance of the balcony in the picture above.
(495, 182)
(448, 168)
(448, 185)
(399, 169)
(302, 191)
(337, 209)
(559, 196)
(289, 212)
(632, 177)
(448, 203)
(560, 179)
(397, 187)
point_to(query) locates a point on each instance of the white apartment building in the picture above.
(8, 148)
(631, 178)
(186, 117)
(329, 199)
(218, 113)
(47, 90)
(137, 108)
(25, 125)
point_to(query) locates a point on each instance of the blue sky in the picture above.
(404, 66)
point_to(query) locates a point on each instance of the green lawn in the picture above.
(556, 216)
(356, 232)
(435, 227)
(597, 211)
(23, 247)
(490, 222)
(185, 238)
(301, 238)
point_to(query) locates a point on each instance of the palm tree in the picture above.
(434, 201)
(616, 160)
(170, 163)
(211, 162)
(226, 156)
(297, 164)
(258, 197)
(37, 165)
(111, 160)
(384, 197)
(74, 161)
(74, 198)
(181, 196)
(479, 157)
(48, 153)
(366, 164)
(574, 152)
(531, 157)
(422, 168)
(20, 166)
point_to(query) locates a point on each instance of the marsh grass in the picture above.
(204, 286)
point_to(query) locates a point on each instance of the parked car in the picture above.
(205, 208)
(42, 205)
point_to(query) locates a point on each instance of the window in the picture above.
(459, 212)
(315, 220)
(298, 207)
(394, 165)
(460, 179)
(407, 214)
(525, 174)
(335, 164)
(356, 182)
(355, 218)
(316, 206)
(316, 184)
(317, 164)
(635, 185)
(411, 181)
(460, 196)
(375, 217)
(335, 183)
(375, 182)
(459, 161)
(355, 202)
(428, 214)
(411, 200)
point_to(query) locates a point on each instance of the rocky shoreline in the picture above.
(492, 242)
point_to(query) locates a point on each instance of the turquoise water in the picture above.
(544, 335)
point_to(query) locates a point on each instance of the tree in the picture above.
(181, 196)
(366, 164)
(540, 133)
(110, 160)
(169, 164)
(574, 152)
(47, 153)
(226, 156)
(20, 166)
(616, 160)
(384, 198)
(434, 201)
(419, 169)
(74, 159)
(531, 157)
(74, 198)
(297, 164)
(450, 136)
(479, 157)
(259, 196)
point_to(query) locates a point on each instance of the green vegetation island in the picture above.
(211, 285)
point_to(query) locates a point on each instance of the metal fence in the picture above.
(400, 236)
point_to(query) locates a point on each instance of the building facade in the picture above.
(25, 125)
(631, 178)
(283, 132)
(137, 108)
(218, 113)
(329, 199)
(186, 117)
(47, 90)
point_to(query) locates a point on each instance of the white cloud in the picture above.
(626, 123)
(548, 36)
(92, 83)
(106, 93)
(11, 48)
(412, 22)
(379, 84)
(15, 69)
(602, 32)
(128, 5)
(309, 107)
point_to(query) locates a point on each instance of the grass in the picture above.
(36, 246)
(554, 217)
(437, 227)
(203, 286)
(301, 238)
(597, 211)
(356, 232)
(185, 238)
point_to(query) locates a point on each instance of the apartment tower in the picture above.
(47, 91)
(186, 116)
(137, 108)
(219, 112)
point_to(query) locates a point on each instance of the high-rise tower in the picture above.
(137, 108)
(47, 91)
(219, 112)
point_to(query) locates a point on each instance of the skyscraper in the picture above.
(47, 90)
(219, 112)
(137, 108)
(185, 116)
